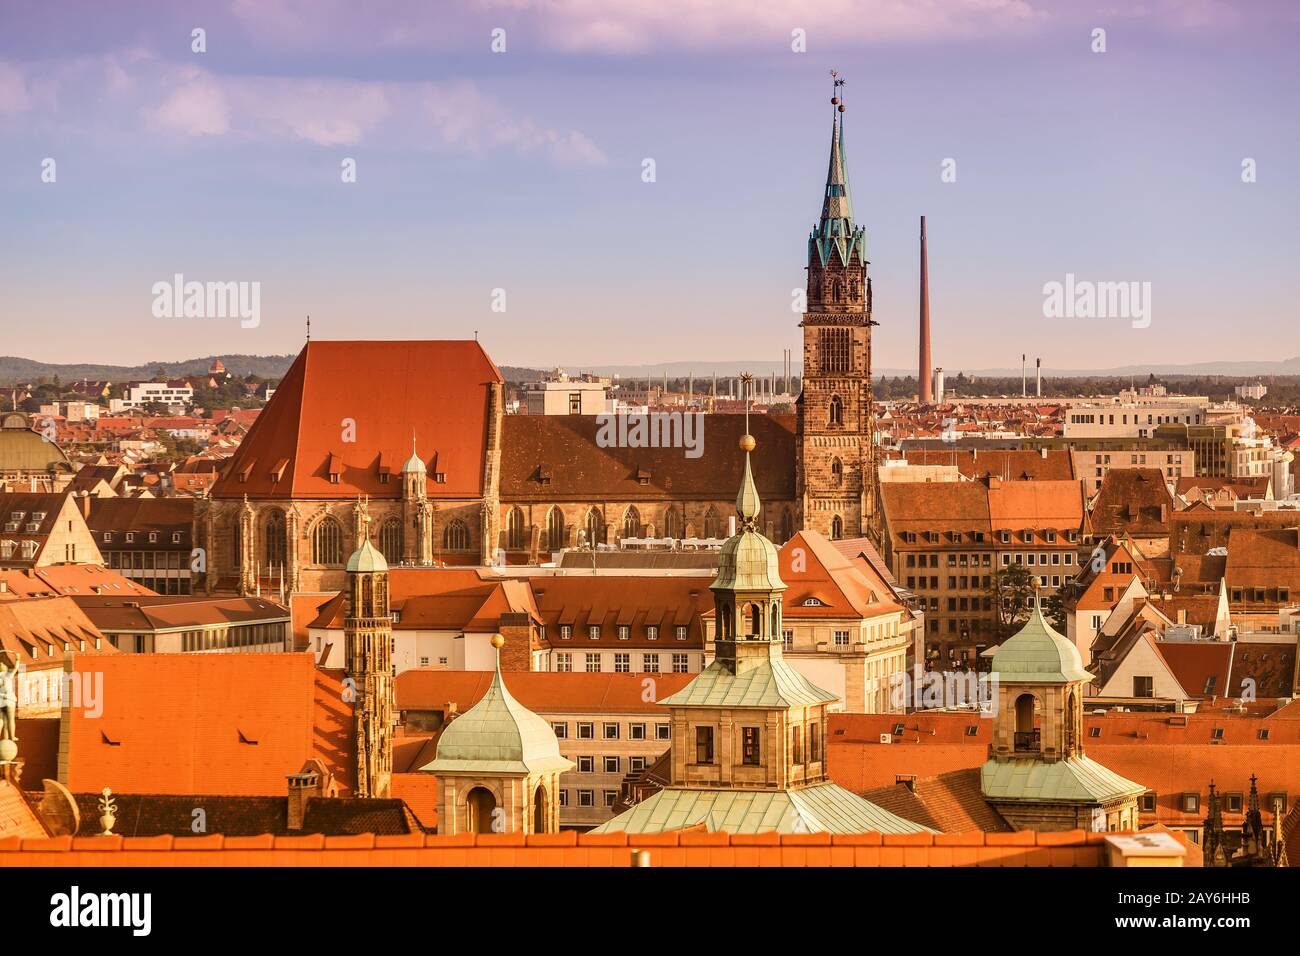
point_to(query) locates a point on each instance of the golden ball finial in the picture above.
(747, 443)
(498, 641)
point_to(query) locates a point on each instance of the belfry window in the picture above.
(836, 416)
(750, 751)
(833, 349)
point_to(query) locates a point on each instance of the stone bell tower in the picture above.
(368, 633)
(835, 475)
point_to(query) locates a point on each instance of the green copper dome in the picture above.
(1038, 654)
(498, 735)
(367, 558)
(748, 561)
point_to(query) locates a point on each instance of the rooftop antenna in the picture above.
(308, 328)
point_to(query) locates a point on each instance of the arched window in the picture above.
(479, 804)
(837, 471)
(276, 542)
(539, 810)
(837, 528)
(515, 529)
(555, 529)
(631, 523)
(787, 525)
(456, 536)
(327, 542)
(672, 523)
(712, 523)
(595, 528)
(1026, 734)
(837, 290)
(837, 410)
(390, 540)
(237, 544)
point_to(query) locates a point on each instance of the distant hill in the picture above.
(14, 370)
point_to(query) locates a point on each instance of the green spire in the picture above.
(836, 230)
(838, 204)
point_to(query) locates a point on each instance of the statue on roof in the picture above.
(8, 704)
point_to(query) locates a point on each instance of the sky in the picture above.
(500, 152)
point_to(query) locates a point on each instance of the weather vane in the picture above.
(837, 81)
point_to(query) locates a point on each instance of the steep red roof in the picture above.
(234, 724)
(540, 692)
(812, 567)
(379, 394)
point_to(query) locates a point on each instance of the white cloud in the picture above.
(135, 90)
(197, 107)
(14, 97)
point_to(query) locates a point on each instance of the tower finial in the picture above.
(309, 328)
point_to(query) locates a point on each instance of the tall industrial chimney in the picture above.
(925, 393)
(1038, 381)
(1024, 378)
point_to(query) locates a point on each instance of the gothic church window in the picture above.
(555, 529)
(327, 542)
(276, 543)
(390, 540)
(712, 523)
(595, 528)
(631, 523)
(515, 529)
(456, 537)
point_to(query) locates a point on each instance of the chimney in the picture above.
(307, 783)
(1024, 380)
(925, 393)
(85, 504)
(1038, 381)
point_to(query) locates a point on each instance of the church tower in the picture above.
(835, 476)
(368, 633)
(1037, 775)
(748, 751)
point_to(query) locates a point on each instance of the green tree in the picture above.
(1012, 593)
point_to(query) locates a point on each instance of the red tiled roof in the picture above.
(382, 392)
(1202, 668)
(1133, 501)
(230, 724)
(540, 692)
(846, 589)
(1013, 465)
(556, 458)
